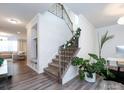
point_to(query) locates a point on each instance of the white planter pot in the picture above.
(89, 79)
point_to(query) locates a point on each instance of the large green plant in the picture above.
(81, 64)
(101, 66)
(105, 37)
(97, 66)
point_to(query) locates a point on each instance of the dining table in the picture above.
(118, 61)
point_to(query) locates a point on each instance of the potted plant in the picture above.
(87, 70)
(100, 66)
(1, 61)
(90, 73)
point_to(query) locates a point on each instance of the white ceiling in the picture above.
(98, 14)
(23, 12)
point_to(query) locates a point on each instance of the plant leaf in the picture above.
(105, 38)
(81, 74)
(94, 56)
(77, 61)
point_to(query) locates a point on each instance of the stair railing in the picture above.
(65, 57)
(59, 10)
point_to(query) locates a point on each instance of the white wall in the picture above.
(70, 74)
(88, 44)
(109, 48)
(53, 32)
(88, 40)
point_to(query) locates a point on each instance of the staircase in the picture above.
(53, 67)
(60, 64)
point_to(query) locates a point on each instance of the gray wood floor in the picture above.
(27, 79)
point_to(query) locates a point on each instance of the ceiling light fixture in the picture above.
(13, 21)
(121, 21)
(18, 32)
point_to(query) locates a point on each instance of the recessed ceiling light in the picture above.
(18, 32)
(121, 21)
(13, 21)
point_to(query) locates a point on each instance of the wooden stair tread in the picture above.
(57, 61)
(69, 49)
(51, 71)
(67, 52)
(57, 56)
(54, 64)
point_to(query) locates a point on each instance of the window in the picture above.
(7, 45)
(120, 51)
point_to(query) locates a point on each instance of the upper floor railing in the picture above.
(59, 10)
